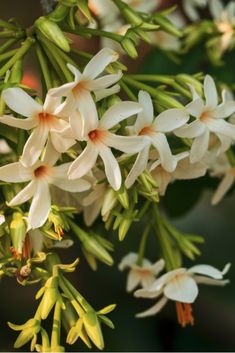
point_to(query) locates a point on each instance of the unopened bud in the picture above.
(18, 230)
(93, 329)
(53, 32)
(128, 46)
(50, 296)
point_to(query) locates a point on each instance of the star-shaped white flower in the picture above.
(224, 18)
(78, 93)
(181, 286)
(40, 176)
(100, 140)
(210, 117)
(184, 170)
(154, 130)
(144, 275)
(44, 120)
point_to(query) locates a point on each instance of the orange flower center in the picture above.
(42, 171)
(147, 130)
(81, 86)
(184, 314)
(95, 135)
(205, 116)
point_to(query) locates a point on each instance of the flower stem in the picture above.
(56, 326)
(44, 66)
(142, 245)
(7, 44)
(18, 55)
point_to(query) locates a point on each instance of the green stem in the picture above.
(70, 296)
(12, 34)
(55, 56)
(56, 326)
(152, 78)
(7, 25)
(143, 244)
(7, 44)
(94, 32)
(19, 54)
(164, 241)
(44, 66)
(8, 54)
(77, 230)
(128, 91)
(144, 209)
(162, 97)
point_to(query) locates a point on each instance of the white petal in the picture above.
(186, 170)
(225, 143)
(26, 124)
(210, 281)
(19, 101)
(133, 280)
(77, 74)
(222, 127)
(194, 129)
(182, 289)
(210, 92)
(24, 195)
(206, 270)
(104, 82)
(60, 142)
(103, 93)
(2, 219)
(223, 188)
(190, 10)
(62, 91)
(147, 293)
(138, 167)
(118, 113)
(51, 104)
(15, 173)
(84, 163)
(72, 185)
(195, 108)
(111, 166)
(154, 309)
(160, 142)
(147, 280)
(87, 108)
(34, 145)
(91, 212)
(127, 144)
(216, 8)
(99, 62)
(157, 267)
(199, 147)
(145, 117)
(171, 119)
(50, 155)
(77, 125)
(127, 261)
(40, 206)
(224, 110)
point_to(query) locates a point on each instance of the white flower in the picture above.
(190, 8)
(209, 118)
(40, 176)
(78, 93)
(4, 147)
(181, 286)
(143, 275)
(44, 120)
(184, 170)
(154, 130)
(100, 140)
(221, 167)
(224, 17)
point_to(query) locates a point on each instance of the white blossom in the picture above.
(40, 176)
(44, 120)
(154, 129)
(210, 118)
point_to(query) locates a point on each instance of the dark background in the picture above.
(188, 206)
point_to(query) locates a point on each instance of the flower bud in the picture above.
(129, 46)
(75, 332)
(122, 195)
(53, 32)
(50, 296)
(18, 230)
(93, 329)
(91, 245)
(29, 330)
